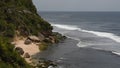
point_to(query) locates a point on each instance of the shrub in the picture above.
(43, 46)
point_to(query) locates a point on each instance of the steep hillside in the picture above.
(18, 17)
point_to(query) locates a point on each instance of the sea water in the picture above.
(92, 30)
(104, 25)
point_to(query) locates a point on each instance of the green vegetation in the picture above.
(8, 57)
(43, 46)
(21, 16)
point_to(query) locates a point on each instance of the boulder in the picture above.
(19, 50)
(27, 41)
(41, 37)
(34, 38)
(53, 39)
(64, 37)
(43, 63)
(26, 55)
(59, 37)
(47, 33)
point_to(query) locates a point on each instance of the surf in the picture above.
(97, 33)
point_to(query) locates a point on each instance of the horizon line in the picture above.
(75, 11)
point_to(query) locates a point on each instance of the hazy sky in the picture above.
(77, 5)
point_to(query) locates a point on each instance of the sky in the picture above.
(77, 5)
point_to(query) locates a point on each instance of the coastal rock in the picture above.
(64, 37)
(43, 63)
(58, 37)
(19, 50)
(52, 38)
(41, 37)
(47, 40)
(34, 38)
(47, 33)
(27, 42)
(26, 55)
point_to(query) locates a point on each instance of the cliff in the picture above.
(19, 18)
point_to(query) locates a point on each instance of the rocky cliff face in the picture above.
(18, 17)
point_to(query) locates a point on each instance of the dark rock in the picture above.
(64, 37)
(26, 55)
(46, 33)
(47, 40)
(51, 63)
(27, 42)
(19, 50)
(57, 37)
(43, 63)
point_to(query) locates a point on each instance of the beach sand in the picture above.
(32, 48)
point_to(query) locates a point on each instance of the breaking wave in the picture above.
(100, 34)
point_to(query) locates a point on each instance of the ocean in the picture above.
(94, 39)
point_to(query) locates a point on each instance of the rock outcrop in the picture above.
(26, 55)
(27, 41)
(43, 63)
(19, 50)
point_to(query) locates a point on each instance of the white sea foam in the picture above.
(100, 34)
(105, 34)
(117, 53)
(79, 44)
(67, 27)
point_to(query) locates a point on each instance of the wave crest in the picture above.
(67, 27)
(100, 34)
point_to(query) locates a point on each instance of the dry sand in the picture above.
(32, 48)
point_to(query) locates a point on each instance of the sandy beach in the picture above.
(31, 49)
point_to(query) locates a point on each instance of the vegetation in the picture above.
(21, 16)
(8, 57)
(43, 46)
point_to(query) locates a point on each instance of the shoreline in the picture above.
(31, 49)
(92, 36)
(27, 47)
(70, 44)
(65, 55)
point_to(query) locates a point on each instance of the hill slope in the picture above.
(18, 16)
